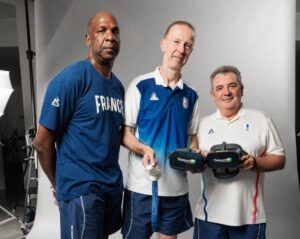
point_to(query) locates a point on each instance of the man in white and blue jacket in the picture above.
(160, 112)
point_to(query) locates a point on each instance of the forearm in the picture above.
(47, 159)
(269, 163)
(194, 142)
(44, 144)
(132, 143)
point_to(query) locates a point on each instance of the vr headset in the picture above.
(184, 159)
(224, 160)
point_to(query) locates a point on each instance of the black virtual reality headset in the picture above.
(224, 160)
(186, 160)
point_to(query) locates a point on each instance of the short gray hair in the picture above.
(226, 69)
(185, 23)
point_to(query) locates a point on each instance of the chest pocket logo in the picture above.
(154, 97)
(185, 102)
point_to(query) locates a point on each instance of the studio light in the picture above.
(5, 90)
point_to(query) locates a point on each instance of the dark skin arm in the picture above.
(44, 144)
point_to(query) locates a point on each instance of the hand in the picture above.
(202, 153)
(149, 157)
(248, 162)
(54, 195)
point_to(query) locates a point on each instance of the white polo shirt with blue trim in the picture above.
(239, 200)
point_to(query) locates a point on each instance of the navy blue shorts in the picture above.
(218, 231)
(174, 215)
(93, 215)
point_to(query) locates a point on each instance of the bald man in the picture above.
(79, 136)
(160, 112)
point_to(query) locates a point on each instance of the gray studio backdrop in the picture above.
(257, 36)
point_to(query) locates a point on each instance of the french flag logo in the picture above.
(185, 103)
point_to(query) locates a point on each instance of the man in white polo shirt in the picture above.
(234, 208)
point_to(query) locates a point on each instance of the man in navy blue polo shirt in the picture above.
(160, 112)
(79, 136)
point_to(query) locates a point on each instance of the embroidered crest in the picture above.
(247, 126)
(185, 103)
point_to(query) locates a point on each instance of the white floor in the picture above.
(10, 220)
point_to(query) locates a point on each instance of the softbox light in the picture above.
(5, 90)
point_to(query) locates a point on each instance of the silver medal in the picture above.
(152, 173)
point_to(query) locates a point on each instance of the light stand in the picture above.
(31, 156)
(10, 218)
(5, 92)
(30, 54)
(29, 211)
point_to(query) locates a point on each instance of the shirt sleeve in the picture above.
(132, 104)
(195, 119)
(58, 105)
(274, 144)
